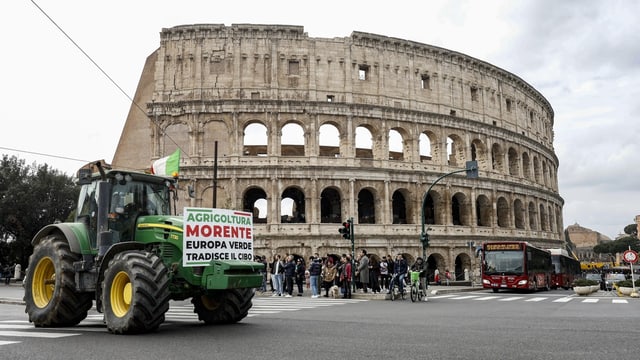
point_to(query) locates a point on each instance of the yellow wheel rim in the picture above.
(44, 282)
(209, 303)
(120, 294)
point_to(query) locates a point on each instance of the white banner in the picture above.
(216, 234)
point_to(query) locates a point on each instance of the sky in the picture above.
(57, 107)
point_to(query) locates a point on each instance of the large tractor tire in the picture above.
(223, 306)
(49, 286)
(135, 293)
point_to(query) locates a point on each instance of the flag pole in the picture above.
(215, 174)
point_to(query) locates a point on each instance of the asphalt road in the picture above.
(469, 325)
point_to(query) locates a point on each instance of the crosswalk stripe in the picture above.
(563, 300)
(487, 298)
(536, 299)
(592, 301)
(48, 335)
(619, 301)
(465, 297)
(512, 298)
(8, 342)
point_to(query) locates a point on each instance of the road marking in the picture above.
(563, 300)
(512, 298)
(37, 334)
(590, 301)
(8, 342)
(465, 297)
(536, 299)
(487, 298)
(619, 301)
(441, 296)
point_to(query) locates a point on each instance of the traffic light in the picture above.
(424, 239)
(345, 230)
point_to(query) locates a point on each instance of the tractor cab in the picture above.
(123, 197)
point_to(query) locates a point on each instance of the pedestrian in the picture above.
(436, 277)
(363, 270)
(289, 275)
(447, 276)
(328, 275)
(345, 277)
(300, 275)
(374, 272)
(384, 273)
(315, 268)
(277, 271)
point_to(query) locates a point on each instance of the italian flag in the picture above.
(168, 165)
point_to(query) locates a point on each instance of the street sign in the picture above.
(630, 256)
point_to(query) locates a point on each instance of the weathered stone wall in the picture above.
(211, 81)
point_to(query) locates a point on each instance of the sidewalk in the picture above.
(12, 294)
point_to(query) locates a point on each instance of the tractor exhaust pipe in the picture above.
(105, 236)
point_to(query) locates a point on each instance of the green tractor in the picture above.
(125, 252)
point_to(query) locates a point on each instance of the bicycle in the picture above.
(394, 288)
(417, 291)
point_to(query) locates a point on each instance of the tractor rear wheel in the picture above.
(135, 292)
(49, 286)
(223, 306)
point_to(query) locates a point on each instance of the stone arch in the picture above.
(435, 261)
(177, 135)
(479, 153)
(366, 206)
(434, 208)
(545, 174)
(537, 173)
(544, 220)
(526, 166)
(483, 210)
(254, 200)
(533, 216)
(292, 139)
(551, 221)
(330, 209)
(216, 130)
(329, 140)
(460, 209)
(397, 144)
(519, 214)
(255, 139)
(292, 209)
(364, 142)
(462, 261)
(455, 150)
(513, 160)
(426, 146)
(400, 206)
(503, 212)
(497, 158)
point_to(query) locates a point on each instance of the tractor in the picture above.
(125, 252)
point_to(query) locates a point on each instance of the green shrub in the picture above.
(584, 282)
(628, 283)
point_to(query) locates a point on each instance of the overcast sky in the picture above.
(583, 56)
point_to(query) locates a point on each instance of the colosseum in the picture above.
(308, 132)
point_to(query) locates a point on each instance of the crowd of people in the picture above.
(333, 275)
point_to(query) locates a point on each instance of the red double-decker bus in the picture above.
(515, 266)
(565, 269)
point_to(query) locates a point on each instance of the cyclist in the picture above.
(421, 266)
(400, 269)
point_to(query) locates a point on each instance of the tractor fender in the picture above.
(73, 232)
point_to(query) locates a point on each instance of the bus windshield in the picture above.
(504, 262)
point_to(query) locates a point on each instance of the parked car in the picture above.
(595, 277)
(611, 279)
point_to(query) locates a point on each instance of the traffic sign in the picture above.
(630, 256)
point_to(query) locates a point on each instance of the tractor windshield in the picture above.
(141, 198)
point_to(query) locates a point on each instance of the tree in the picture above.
(631, 229)
(30, 198)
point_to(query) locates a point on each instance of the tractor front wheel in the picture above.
(49, 286)
(223, 306)
(135, 292)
